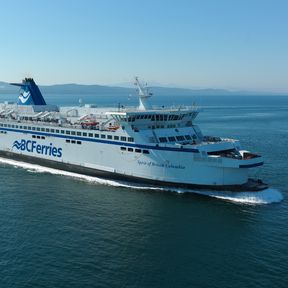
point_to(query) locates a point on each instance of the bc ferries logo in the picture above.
(33, 147)
(23, 97)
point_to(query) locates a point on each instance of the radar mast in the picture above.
(144, 95)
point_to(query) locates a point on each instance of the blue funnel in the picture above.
(30, 94)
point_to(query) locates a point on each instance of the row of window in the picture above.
(3, 132)
(73, 141)
(137, 150)
(70, 132)
(176, 138)
(162, 126)
(38, 137)
(158, 117)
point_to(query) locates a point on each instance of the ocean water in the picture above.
(61, 229)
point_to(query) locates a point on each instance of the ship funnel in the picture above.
(144, 95)
(30, 93)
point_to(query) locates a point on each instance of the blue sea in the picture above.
(61, 229)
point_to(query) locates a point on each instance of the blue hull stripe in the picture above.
(70, 137)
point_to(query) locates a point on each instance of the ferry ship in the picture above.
(144, 144)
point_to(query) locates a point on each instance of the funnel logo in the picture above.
(23, 97)
(34, 147)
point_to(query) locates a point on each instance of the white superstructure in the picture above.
(162, 146)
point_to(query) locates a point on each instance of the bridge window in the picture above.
(130, 149)
(67, 132)
(162, 139)
(138, 150)
(96, 135)
(72, 132)
(123, 138)
(180, 138)
(145, 151)
(130, 139)
(116, 137)
(103, 136)
(78, 133)
(90, 135)
(109, 136)
(172, 139)
(85, 134)
(188, 137)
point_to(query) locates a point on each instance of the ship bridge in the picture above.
(156, 119)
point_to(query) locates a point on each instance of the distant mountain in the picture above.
(6, 88)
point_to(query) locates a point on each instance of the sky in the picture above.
(229, 44)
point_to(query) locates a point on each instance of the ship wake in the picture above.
(267, 196)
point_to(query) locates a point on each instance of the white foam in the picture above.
(34, 168)
(267, 196)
